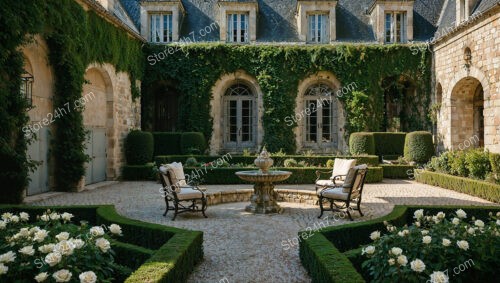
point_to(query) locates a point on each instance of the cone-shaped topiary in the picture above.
(139, 147)
(419, 146)
(362, 143)
(193, 143)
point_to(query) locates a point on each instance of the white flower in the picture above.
(498, 214)
(441, 215)
(391, 261)
(46, 248)
(461, 214)
(24, 216)
(55, 216)
(96, 231)
(64, 248)
(479, 223)
(62, 236)
(45, 218)
(53, 258)
(424, 232)
(368, 250)
(402, 260)
(396, 251)
(471, 231)
(41, 277)
(426, 239)
(3, 269)
(498, 222)
(103, 244)
(62, 275)
(439, 277)
(417, 224)
(463, 245)
(418, 214)
(88, 277)
(375, 235)
(6, 216)
(417, 265)
(28, 250)
(455, 221)
(8, 257)
(446, 242)
(78, 243)
(436, 219)
(117, 230)
(14, 219)
(67, 216)
(2, 224)
(403, 233)
(24, 232)
(40, 236)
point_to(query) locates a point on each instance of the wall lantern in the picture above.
(27, 88)
(467, 58)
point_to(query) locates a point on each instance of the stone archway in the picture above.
(303, 113)
(217, 111)
(98, 120)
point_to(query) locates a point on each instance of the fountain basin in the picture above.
(257, 176)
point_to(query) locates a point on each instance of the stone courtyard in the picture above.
(243, 247)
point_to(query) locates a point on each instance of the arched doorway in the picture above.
(166, 108)
(97, 102)
(239, 117)
(467, 114)
(397, 92)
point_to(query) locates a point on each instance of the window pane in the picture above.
(388, 23)
(242, 26)
(311, 121)
(235, 28)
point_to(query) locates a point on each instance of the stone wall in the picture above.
(459, 83)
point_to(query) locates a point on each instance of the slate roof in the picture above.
(277, 21)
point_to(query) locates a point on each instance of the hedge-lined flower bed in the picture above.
(396, 171)
(326, 254)
(158, 253)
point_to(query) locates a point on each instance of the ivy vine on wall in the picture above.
(194, 69)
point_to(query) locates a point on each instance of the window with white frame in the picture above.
(237, 27)
(395, 27)
(161, 28)
(317, 28)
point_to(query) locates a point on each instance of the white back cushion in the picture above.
(342, 166)
(178, 173)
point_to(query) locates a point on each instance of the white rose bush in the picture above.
(50, 248)
(430, 249)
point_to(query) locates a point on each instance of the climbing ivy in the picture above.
(76, 38)
(194, 69)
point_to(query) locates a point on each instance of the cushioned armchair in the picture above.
(350, 191)
(184, 197)
(340, 169)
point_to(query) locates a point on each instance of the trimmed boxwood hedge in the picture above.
(193, 143)
(468, 186)
(387, 143)
(167, 143)
(419, 147)
(326, 253)
(139, 172)
(396, 171)
(361, 143)
(172, 252)
(139, 147)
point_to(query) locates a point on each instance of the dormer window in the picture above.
(316, 21)
(395, 27)
(237, 27)
(238, 22)
(161, 28)
(464, 9)
(318, 31)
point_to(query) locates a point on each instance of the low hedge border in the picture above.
(482, 189)
(371, 160)
(170, 253)
(395, 171)
(326, 253)
(139, 172)
(300, 175)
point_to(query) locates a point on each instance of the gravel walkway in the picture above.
(241, 247)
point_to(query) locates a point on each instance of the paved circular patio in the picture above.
(241, 247)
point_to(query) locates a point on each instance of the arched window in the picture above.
(239, 117)
(320, 111)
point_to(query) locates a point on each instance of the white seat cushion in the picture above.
(329, 183)
(341, 167)
(189, 193)
(334, 193)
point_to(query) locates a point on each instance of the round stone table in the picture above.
(263, 200)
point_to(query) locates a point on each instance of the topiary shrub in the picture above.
(478, 163)
(362, 143)
(193, 143)
(139, 147)
(290, 162)
(191, 162)
(418, 147)
(387, 144)
(167, 143)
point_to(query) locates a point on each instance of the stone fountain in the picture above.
(263, 200)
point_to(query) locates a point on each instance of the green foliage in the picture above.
(139, 147)
(191, 162)
(458, 167)
(476, 188)
(442, 163)
(278, 70)
(478, 163)
(362, 143)
(139, 172)
(290, 162)
(418, 147)
(330, 163)
(167, 143)
(395, 171)
(495, 165)
(193, 143)
(389, 143)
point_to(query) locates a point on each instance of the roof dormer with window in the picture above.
(392, 20)
(238, 20)
(316, 21)
(464, 9)
(161, 20)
